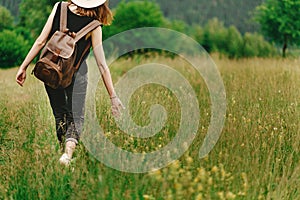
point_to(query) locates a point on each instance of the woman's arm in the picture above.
(104, 70)
(36, 47)
(101, 61)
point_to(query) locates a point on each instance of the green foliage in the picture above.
(12, 6)
(256, 46)
(132, 15)
(34, 14)
(13, 49)
(197, 32)
(234, 42)
(135, 14)
(26, 33)
(177, 25)
(279, 21)
(215, 37)
(232, 12)
(6, 19)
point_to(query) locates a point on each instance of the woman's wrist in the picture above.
(113, 96)
(23, 67)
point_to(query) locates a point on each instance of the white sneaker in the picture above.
(65, 160)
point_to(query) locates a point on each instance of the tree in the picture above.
(12, 6)
(132, 15)
(135, 14)
(13, 49)
(34, 14)
(234, 41)
(214, 36)
(279, 20)
(6, 19)
(254, 45)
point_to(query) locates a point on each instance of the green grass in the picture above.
(257, 156)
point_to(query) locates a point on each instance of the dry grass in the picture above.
(257, 156)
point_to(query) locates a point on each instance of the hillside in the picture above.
(231, 12)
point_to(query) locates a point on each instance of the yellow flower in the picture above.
(230, 195)
(200, 187)
(177, 186)
(175, 164)
(210, 181)
(221, 195)
(191, 190)
(214, 169)
(189, 160)
(148, 197)
(201, 173)
(199, 197)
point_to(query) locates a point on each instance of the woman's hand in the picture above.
(116, 106)
(21, 76)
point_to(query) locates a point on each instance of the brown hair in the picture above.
(101, 13)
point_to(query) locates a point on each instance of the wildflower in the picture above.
(223, 173)
(169, 194)
(148, 197)
(157, 174)
(201, 173)
(199, 197)
(260, 197)
(107, 134)
(221, 195)
(175, 164)
(189, 160)
(242, 194)
(245, 185)
(191, 190)
(199, 187)
(100, 178)
(214, 169)
(177, 186)
(230, 195)
(210, 181)
(196, 180)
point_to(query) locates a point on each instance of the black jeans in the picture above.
(68, 106)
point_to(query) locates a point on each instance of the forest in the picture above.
(231, 12)
(235, 29)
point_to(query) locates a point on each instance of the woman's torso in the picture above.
(74, 23)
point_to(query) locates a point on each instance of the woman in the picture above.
(79, 13)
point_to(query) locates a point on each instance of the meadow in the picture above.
(256, 157)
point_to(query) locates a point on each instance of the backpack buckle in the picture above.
(68, 32)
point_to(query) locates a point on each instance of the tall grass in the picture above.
(257, 156)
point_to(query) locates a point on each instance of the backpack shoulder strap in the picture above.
(85, 30)
(63, 23)
(63, 16)
(82, 55)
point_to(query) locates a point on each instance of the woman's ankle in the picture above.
(70, 147)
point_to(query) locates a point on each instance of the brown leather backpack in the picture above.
(55, 66)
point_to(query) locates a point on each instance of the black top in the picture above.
(74, 23)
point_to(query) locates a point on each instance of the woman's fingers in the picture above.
(117, 106)
(20, 77)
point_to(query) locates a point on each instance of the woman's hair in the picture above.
(101, 13)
